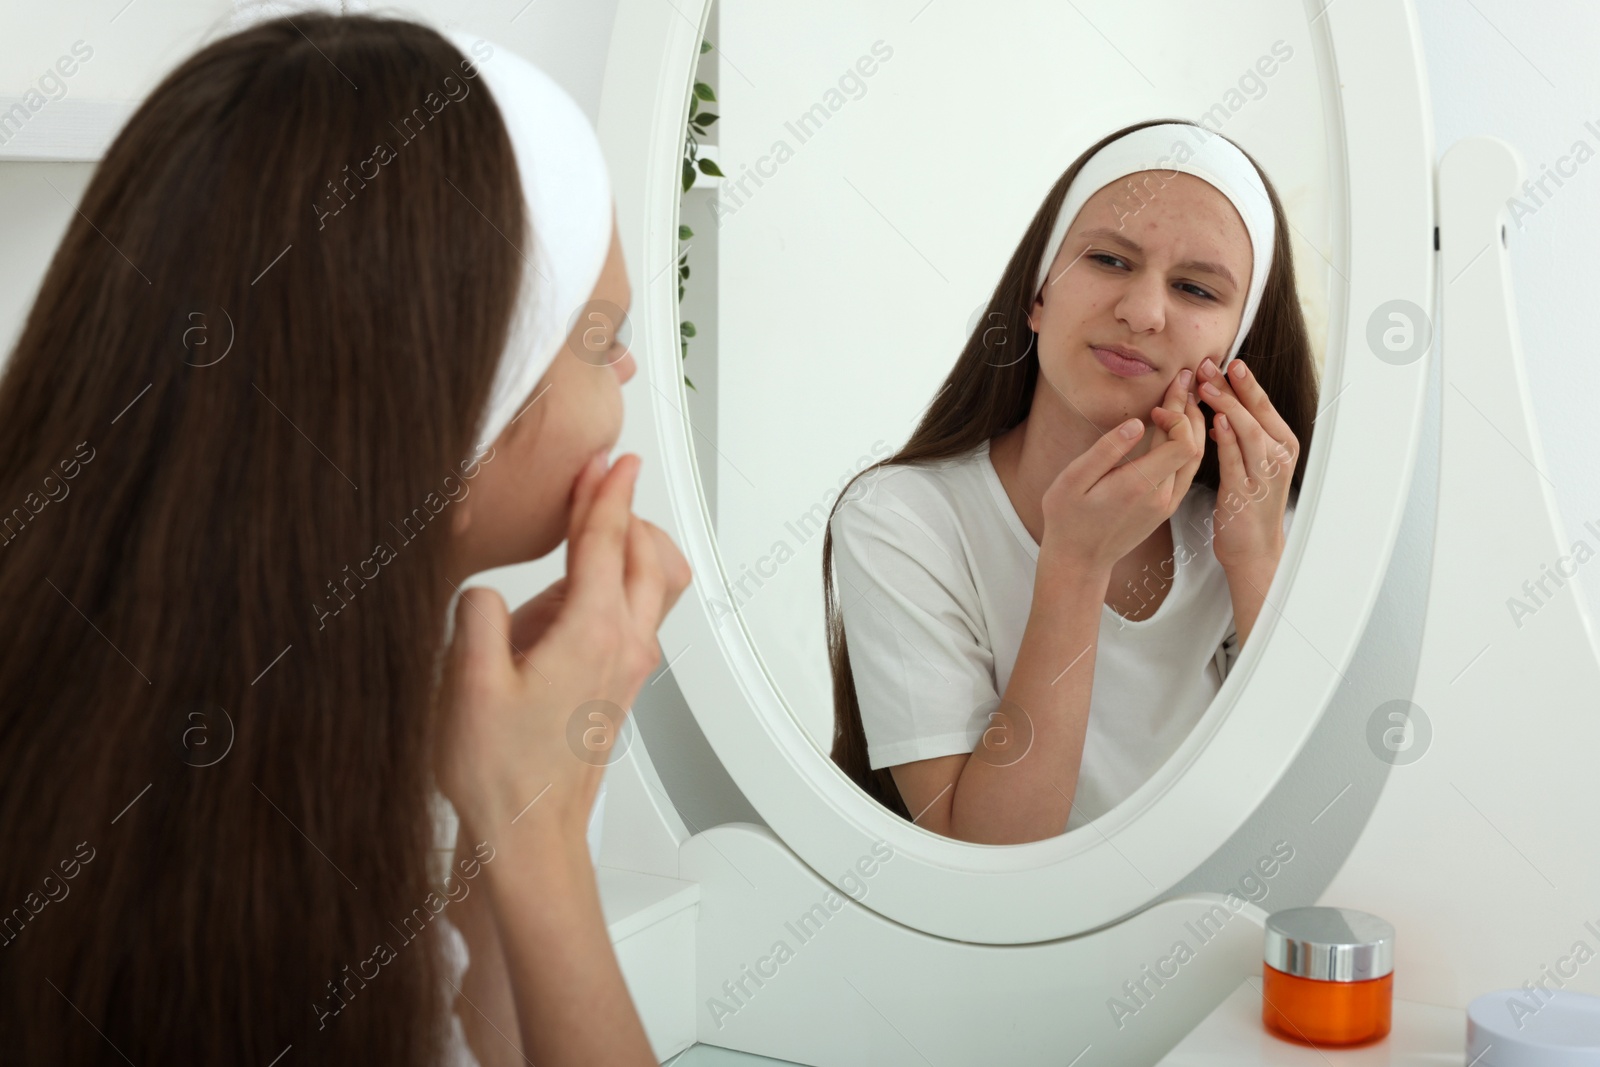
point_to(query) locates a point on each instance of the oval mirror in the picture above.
(879, 170)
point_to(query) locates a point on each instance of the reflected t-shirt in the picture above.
(934, 572)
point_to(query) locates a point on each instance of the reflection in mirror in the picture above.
(1022, 613)
(1039, 594)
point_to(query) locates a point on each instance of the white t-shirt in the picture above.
(934, 573)
(457, 1052)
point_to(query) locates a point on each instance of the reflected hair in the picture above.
(211, 568)
(990, 390)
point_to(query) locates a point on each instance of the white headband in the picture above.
(568, 194)
(1217, 161)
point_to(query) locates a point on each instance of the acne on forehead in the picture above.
(1145, 188)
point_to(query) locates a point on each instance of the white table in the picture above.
(1420, 1035)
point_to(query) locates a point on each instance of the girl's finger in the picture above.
(480, 649)
(530, 621)
(1177, 395)
(1197, 420)
(1216, 391)
(643, 582)
(1274, 447)
(1230, 459)
(1164, 461)
(1162, 421)
(1281, 459)
(1184, 421)
(1197, 433)
(1180, 427)
(1183, 424)
(595, 555)
(1253, 441)
(1164, 417)
(1248, 389)
(1106, 453)
(674, 568)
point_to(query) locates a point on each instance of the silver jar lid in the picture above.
(1329, 944)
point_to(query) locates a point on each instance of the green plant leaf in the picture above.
(703, 91)
(684, 233)
(687, 382)
(708, 167)
(694, 106)
(686, 328)
(705, 46)
(683, 271)
(705, 118)
(688, 175)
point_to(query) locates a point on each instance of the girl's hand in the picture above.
(512, 686)
(1176, 408)
(1097, 511)
(1256, 454)
(533, 618)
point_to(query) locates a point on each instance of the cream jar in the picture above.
(1327, 976)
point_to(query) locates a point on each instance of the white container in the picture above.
(1516, 1028)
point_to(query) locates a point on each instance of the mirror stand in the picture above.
(1503, 732)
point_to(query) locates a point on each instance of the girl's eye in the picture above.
(1100, 257)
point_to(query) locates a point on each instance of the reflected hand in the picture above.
(1169, 417)
(1099, 508)
(1256, 455)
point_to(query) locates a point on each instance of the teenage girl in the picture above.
(317, 346)
(1039, 595)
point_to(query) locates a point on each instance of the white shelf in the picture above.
(632, 901)
(1420, 1035)
(652, 922)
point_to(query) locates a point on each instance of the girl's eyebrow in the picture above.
(1189, 264)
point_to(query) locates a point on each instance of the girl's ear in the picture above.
(1036, 312)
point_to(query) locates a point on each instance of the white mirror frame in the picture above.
(1358, 476)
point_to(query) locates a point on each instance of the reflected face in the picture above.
(1160, 269)
(520, 506)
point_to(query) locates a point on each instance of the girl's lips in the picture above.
(1120, 365)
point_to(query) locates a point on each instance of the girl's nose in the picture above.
(1141, 306)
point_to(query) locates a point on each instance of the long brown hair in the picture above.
(252, 376)
(990, 390)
